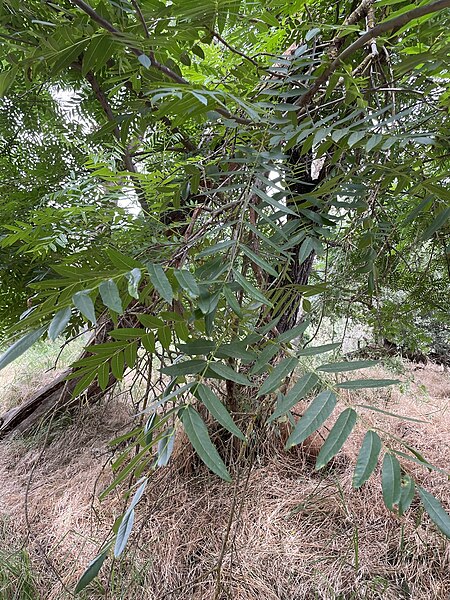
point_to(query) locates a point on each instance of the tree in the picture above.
(278, 152)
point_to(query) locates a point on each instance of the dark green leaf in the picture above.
(103, 376)
(264, 358)
(314, 416)
(391, 478)
(118, 365)
(92, 571)
(367, 458)
(217, 409)
(188, 367)
(21, 346)
(197, 347)
(337, 437)
(302, 387)
(441, 218)
(258, 260)
(198, 436)
(312, 351)
(293, 333)
(109, 293)
(248, 287)
(340, 367)
(165, 336)
(435, 511)
(226, 372)
(97, 53)
(235, 350)
(83, 302)
(232, 302)
(279, 373)
(160, 282)
(59, 323)
(358, 384)
(187, 282)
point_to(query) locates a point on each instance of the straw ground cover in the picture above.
(293, 533)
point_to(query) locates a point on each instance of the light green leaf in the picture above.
(21, 346)
(198, 436)
(226, 372)
(359, 384)
(126, 524)
(302, 387)
(314, 416)
(83, 302)
(337, 437)
(340, 367)
(59, 323)
(435, 511)
(160, 282)
(279, 373)
(134, 277)
(217, 409)
(145, 61)
(367, 458)
(406, 494)
(391, 478)
(355, 138)
(165, 447)
(109, 293)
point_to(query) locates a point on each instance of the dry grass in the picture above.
(294, 535)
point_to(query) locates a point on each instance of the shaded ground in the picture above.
(294, 534)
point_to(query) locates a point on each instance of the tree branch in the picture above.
(153, 62)
(380, 29)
